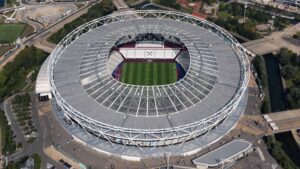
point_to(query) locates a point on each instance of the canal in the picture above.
(276, 91)
(278, 103)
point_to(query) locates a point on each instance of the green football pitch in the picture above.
(148, 73)
(10, 32)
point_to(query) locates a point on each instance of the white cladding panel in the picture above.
(42, 82)
(149, 45)
(149, 53)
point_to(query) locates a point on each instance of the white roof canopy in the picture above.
(42, 82)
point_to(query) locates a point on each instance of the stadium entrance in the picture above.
(148, 59)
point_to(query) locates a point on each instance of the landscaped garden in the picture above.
(22, 110)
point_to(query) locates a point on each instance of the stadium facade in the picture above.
(212, 93)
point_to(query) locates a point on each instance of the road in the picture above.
(40, 122)
(11, 56)
(259, 125)
(40, 38)
(54, 134)
(275, 42)
(27, 148)
(60, 24)
(45, 140)
(6, 107)
(247, 129)
(120, 4)
(23, 18)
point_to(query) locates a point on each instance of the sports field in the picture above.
(148, 73)
(10, 32)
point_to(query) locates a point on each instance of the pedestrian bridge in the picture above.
(262, 46)
(283, 121)
(275, 41)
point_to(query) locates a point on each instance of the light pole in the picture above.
(224, 160)
(272, 23)
(168, 159)
(245, 7)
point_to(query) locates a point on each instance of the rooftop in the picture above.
(42, 81)
(224, 153)
(211, 81)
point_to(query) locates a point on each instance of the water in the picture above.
(239, 39)
(289, 146)
(276, 92)
(278, 103)
(2, 3)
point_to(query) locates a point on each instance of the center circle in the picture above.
(148, 59)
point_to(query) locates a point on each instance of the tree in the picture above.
(296, 81)
(209, 2)
(274, 147)
(19, 145)
(3, 79)
(280, 24)
(37, 161)
(297, 35)
(266, 107)
(222, 6)
(294, 98)
(13, 75)
(284, 57)
(169, 3)
(260, 66)
(289, 72)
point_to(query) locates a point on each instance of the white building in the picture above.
(42, 86)
(225, 154)
(290, 2)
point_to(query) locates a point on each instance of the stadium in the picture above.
(147, 83)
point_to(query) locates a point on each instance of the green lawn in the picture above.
(148, 73)
(224, 14)
(10, 32)
(11, 3)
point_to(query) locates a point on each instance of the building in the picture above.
(42, 86)
(290, 2)
(29, 164)
(224, 155)
(137, 121)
